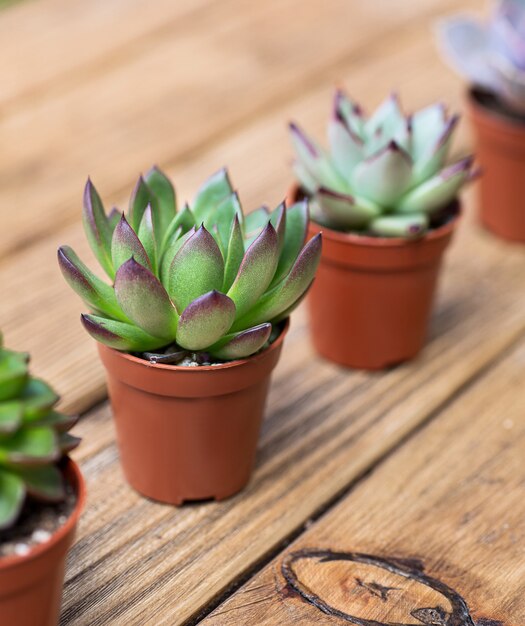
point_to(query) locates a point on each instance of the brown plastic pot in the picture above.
(501, 153)
(31, 585)
(188, 433)
(371, 300)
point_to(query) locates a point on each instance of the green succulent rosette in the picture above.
(33, 438)
(383, 175)
(205, 278)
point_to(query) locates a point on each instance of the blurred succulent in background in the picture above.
(205, 279)
(384, 175)
(491, 55)
(33, 438)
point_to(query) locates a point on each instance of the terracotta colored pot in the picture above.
(188, 433)
(31, 585)
(501, 153)
(371, 299)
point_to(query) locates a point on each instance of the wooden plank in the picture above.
(32, 279)
(324, 428)
(63, 40)
(180, 92)
(452, 499)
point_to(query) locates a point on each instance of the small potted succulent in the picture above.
(191, 327)
(492, 57)
(42, 494)
(387, 204)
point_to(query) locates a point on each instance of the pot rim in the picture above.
(366, 241)
(60, 533)
(204, 368)
(496, 117)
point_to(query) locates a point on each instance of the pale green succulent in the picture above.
(385, 175)
(33, 438)
(205, 279)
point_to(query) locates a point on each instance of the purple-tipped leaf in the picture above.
(243, 344)
(234, 255)
(346, 211)
(287, 293)
(95, 293)
(229, 209)
(435, 155)
(205, 320)
(126, 244)
(297, 217)
(437, 192)
(346, 148)
(278, 221)
(384, 177)
(198, 267)
(145, 301)
(256, 271)
(97, 228)
(119, 335)
(140, 198)
(146, 235)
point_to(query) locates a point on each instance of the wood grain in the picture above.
(451, 502)
(324, 428)
(175, 94)
(32, 277)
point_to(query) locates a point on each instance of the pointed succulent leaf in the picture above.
(287, 293)
(140, 198)
(278, 221)
(315, 160)
(11, 414)
(349, 112)
(181, 223)
(287, 312)
(254, 223)
(428, 125)
(120, 335)
(12, 498)
(215, 189)
(384, 177)
(243, 344)
(126, 244)
(146, 235)
(410, 226)
(388, 118)
(224, 217)
(30, 446)
(58, 421)
(346, 211)
(67, 442)
(297, 217)
(178, 240)
(43, 483)
(97, 228)
(235, 255)
(205, 320)
(256, 271)
(161, 187)
(95, 292)
(197, 268)
(346, 148)
(438, 191)
(435, 154)
(37, 398)
(13, 373)
(145, 301)
(113, 218)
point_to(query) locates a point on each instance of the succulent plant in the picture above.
(33, 438)
(205, 279)
(491, 55)
(384, 175)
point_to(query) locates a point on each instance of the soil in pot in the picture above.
(31, 583)
(188, 433)
(500, 148)
(371, 301)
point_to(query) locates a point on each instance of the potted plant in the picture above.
(42, 494)
(387, 204)
(191, 327)
(492, 57)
